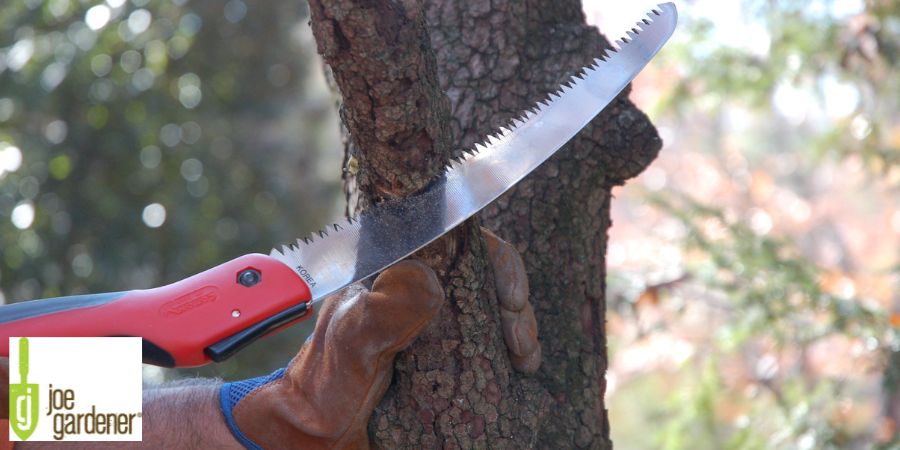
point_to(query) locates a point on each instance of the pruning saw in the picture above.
(212, 315)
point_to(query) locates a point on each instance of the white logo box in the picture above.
(90, 377)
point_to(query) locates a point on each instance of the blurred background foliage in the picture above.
(145, 140)
(754, 268)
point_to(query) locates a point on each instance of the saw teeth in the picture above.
(293, 251)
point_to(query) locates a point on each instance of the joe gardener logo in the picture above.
(75, 389)
(23, 398)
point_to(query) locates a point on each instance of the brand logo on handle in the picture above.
(189, 301)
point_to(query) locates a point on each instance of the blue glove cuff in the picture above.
(232, 393)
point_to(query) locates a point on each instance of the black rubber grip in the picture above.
(222, 350)
(156, 355)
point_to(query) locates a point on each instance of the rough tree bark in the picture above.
(421, 79)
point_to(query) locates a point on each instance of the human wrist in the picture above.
(185, 414)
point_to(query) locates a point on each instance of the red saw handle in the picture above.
(207, 317)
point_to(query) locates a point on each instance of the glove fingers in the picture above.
(529, 363)
(509, 271)
(346, 365)
(520, 331)
(316, 341)
(403, 300)
(516, 313)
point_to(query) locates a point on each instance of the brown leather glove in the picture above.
(516, 313)
(324, 398)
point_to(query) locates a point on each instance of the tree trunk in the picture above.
(422, 80)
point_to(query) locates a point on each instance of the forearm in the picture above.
(179, 415)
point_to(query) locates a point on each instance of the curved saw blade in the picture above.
(392, 230)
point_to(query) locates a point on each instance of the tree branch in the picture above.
(393, 106)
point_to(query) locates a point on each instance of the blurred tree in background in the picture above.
(755, 267)
(142, 141)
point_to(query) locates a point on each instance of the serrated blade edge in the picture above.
(392, 230)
